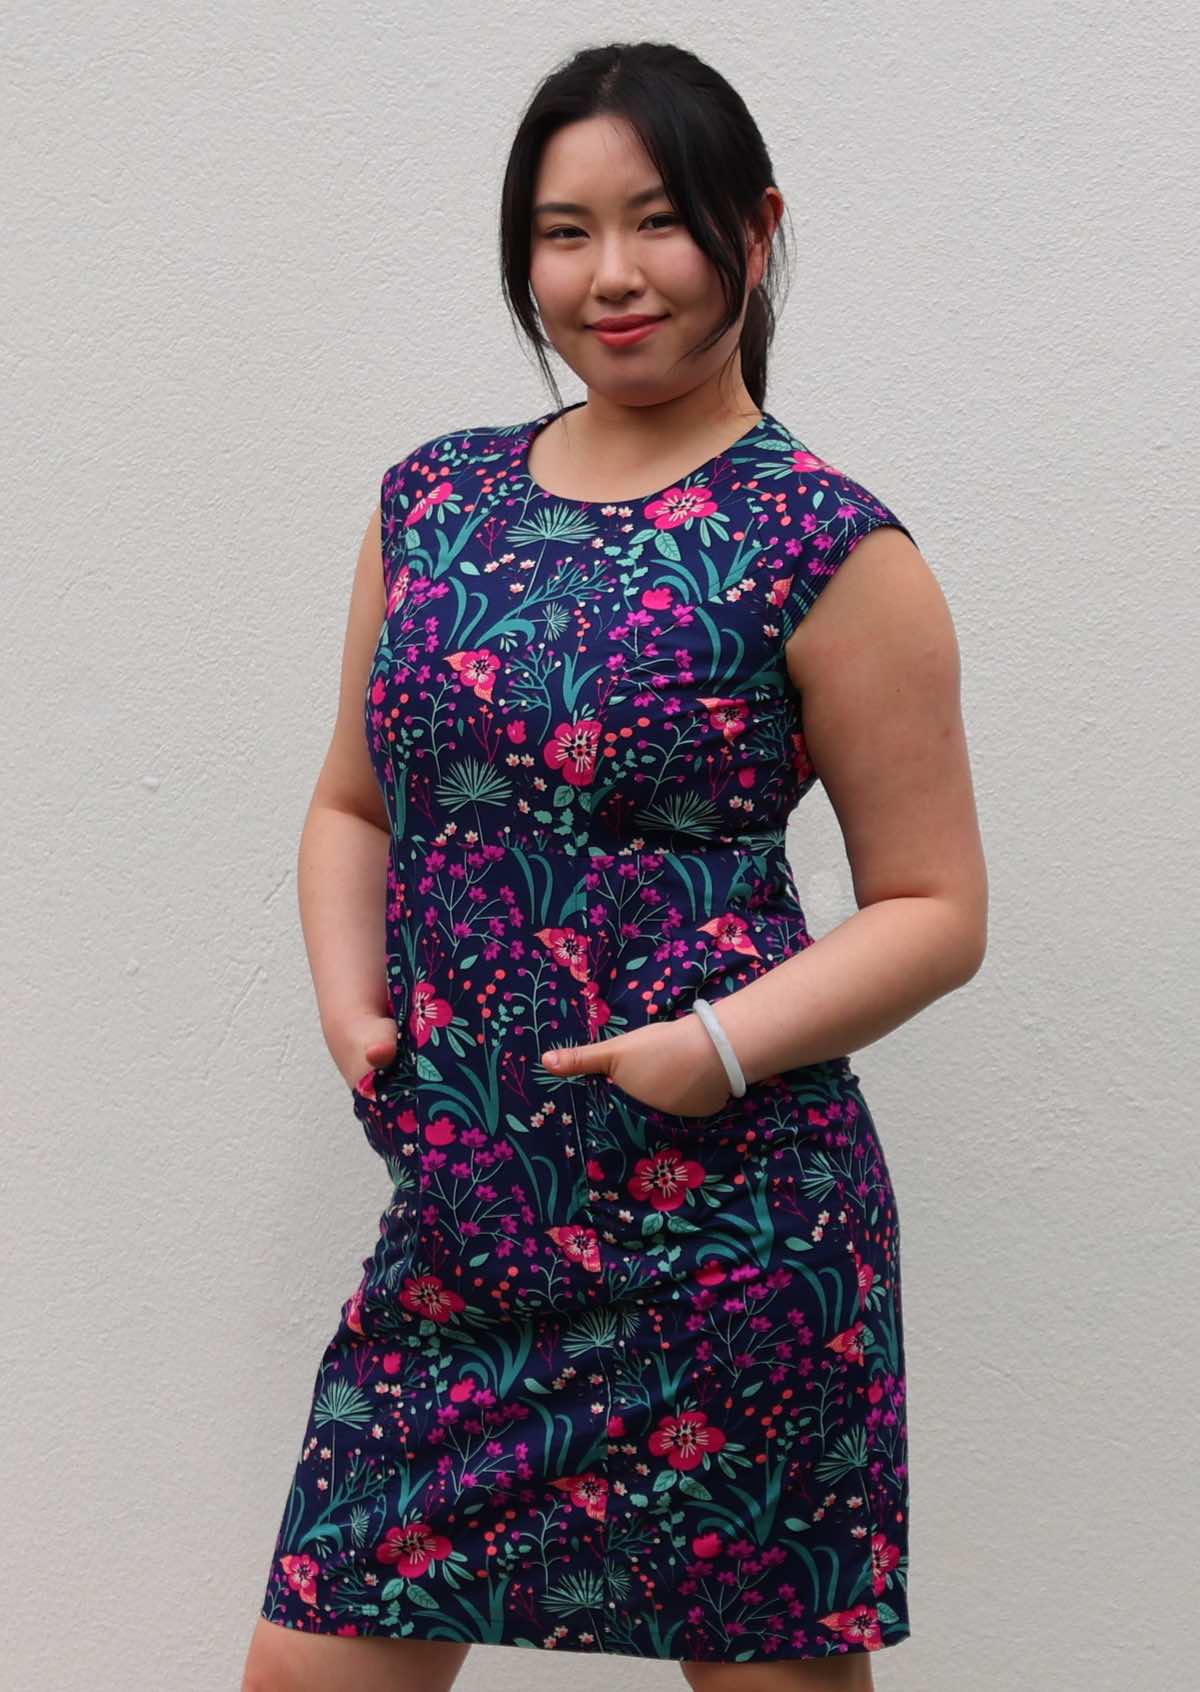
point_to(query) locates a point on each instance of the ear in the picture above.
(762, 236)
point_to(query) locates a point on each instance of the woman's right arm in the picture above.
(342, 866)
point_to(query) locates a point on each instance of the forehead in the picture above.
(598, 161)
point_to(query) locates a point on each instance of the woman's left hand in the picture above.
(671, 1066)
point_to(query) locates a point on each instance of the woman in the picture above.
(625, 1371)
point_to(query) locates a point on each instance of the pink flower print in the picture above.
(478, 668)
(866, 1280)
(301, 1575)
(859, 1625)
(657, 598)
(848, 1344)
(589, 1490)
(884, 1558)
(567, 948)
(598, 1013)
(353, 1311)
(778, 591)
(399, 589)
(685, 1439)
(711, 1273)
(665, 1179)
(425, 502)
(572, 750)
(731, 716)
(412, 1548)
(464, 1389)
(731, 934)
(801, 762)
(514, 728)
(707, 1545)
(579, 1245)
(680, 505)
(442, 1131)
(428, 1012)
(809, 464)
(425, 1295)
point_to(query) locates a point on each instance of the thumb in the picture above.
(383, 1043)
(579, 1060)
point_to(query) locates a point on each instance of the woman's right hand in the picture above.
(364, 1044)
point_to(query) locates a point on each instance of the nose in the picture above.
(617, 271)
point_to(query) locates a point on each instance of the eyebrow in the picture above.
(573, 206)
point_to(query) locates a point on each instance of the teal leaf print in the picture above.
(472, 782)
(688, 814)
(848, 1453)
(560, 524)
(577, 1592)
(341, 1403)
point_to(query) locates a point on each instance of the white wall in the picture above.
(250, 262)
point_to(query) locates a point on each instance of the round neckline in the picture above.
(548, 417)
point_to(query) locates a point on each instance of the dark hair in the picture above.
(709, 153)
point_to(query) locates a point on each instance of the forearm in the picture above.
(865, 977)
(342, 887)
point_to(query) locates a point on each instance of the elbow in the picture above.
(974, 961)
(972, 950)
(964, 940)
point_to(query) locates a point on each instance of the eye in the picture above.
(571, 230)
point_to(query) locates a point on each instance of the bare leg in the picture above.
(285, 1659)
(850, 1672)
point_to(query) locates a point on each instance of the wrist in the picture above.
(700, 1053)
(718, 1035)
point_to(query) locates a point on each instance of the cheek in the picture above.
(697, 283)
(552, 291)
(685, 281)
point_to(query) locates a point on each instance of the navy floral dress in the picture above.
(613, 1380)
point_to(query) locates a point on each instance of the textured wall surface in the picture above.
(250, 262)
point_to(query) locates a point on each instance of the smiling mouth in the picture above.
(627, 337)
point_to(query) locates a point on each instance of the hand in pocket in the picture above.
(671, 1066)
(363, 1047)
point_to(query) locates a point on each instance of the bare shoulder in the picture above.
(347, 780)
(884, 590)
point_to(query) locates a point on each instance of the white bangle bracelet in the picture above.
(733, 1069)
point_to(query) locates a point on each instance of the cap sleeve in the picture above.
(398, 491)
(830, 513)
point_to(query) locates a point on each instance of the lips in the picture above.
(624, 322)
(632, 335)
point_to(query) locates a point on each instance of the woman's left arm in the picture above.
(876, 661)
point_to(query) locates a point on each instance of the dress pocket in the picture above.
(385, 1100)
(371, 1084)
(629, 1119)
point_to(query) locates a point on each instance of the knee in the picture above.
(712, 1677)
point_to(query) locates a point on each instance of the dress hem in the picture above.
(331, 1627)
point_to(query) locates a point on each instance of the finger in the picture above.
(383, 1049)
(576, 1060)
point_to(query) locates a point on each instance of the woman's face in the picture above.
(621, 252)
